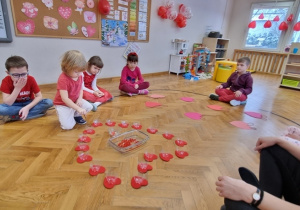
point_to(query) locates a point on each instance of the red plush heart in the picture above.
(83, 148)
(144, 167)
(180, 143)
(110, 123)
(181, 154)
(152, 130)
(252, 24)
(168, 136)
(26, 27)
(165, 156)
(137, 127)
(65, 12)
(84, 158)
(96, 169)
(123, 125)
(267, 24)
(97, 124)
(137, 182)
(89, 131)
(110, 181)
(84, 139)
(283, 26)
(150, 157)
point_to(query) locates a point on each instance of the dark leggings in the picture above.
(129, 89)
(279, 175)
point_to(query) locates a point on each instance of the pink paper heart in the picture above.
(254, 114)
(215, 107)
(65, 12)
(241, 124)
(187, 99)
(90, 31)
(193, 115)
(26, 27)
(156, 96)
(152, 104)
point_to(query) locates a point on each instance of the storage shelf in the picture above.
(281, 85)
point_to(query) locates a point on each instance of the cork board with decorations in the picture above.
(137, 15)
(77, 19)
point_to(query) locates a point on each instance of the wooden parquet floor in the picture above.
(38, 166)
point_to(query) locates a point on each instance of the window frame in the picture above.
(267, 5)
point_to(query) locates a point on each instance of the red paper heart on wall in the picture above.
(268, 24)
(297, 27)
(283, 26)
(252, 24)
(26, 27)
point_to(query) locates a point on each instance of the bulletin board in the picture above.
(56, 18)
(136, 13)
(68, 19)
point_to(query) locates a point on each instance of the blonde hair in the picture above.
(73, 60)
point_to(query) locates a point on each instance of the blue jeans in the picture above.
(36, 111)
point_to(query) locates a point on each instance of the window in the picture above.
(267, 38)
(296, 34)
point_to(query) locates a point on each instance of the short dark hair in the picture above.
(132, 57)
(15, 62)
(244, 60)
(96, 61)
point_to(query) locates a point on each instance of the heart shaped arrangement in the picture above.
(110, 181)
(165, 156)
(144, 167)
(137, 182)
(96, 169)
(149, 157)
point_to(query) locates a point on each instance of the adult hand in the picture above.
(238, 93)
(234, 189)
(264, 142)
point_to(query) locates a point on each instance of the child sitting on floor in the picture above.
(132, 82)
(91, 92)
(69, 104)
(239, 83)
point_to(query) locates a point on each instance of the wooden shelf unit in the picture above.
(291, 76)
(218, 45)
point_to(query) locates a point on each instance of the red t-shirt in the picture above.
(88, 80)
(71, 86)
(28, 91)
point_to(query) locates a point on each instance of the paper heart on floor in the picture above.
(137, 127)
(215, 107)
(181, 154)
(137, 182)
(152, 130)
(187, 99)
(144, 167)
(241, 124)
(156, 96)
(254, 114)
(96, 169)
(168, 136)
(83, 148)
(84, 158)
(152, 104)
(180, 143)
(165, 156)
(89, 131)
(110, 123)
(193, 115)
(84, 139)
(64, 12)
(96, 124)
(123, 125)
(110, 181)
(149, 157)
(26, 27)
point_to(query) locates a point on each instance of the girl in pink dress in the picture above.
(91, 92)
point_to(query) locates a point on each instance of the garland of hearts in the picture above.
(167, 11)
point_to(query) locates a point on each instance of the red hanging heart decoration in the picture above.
(267, 24)
(283, 26)
(297, 27)
(261, 16)
(252, 24)
(290, 18)
(276, 18)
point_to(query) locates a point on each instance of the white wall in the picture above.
(43, 54)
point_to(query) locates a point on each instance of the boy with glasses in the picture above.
(22, 98)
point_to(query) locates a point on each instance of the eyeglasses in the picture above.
(19, 75)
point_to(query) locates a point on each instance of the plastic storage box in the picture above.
(289, 82)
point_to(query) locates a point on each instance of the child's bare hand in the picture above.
(264, 142)
(23, 113)
(81, 111)
(219, 87)
(136, 86)
(20, 83)
(238, 93)
(79, 102)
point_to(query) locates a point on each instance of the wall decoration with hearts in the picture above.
(29, 10)
(64, 12)
(26, 27)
